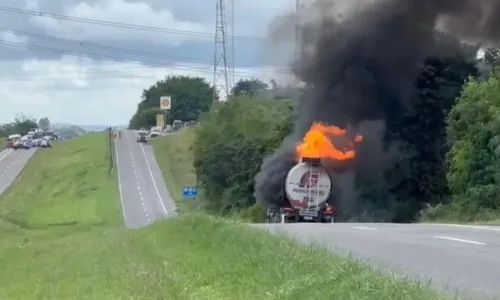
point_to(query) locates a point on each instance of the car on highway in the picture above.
(45, 143)
(21, 144)
(155, 132)
(11, 139)
(37, 142)
(142, 136)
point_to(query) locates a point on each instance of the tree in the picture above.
(248, 87)
(473, 134)
(231, 141)
(191, 96)
(419, 177)
(44, 123)
(145, 118)
(21, 125)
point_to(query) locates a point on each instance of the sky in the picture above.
(87, 63)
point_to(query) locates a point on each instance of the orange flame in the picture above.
(317, 143)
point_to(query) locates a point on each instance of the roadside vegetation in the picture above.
(448, 175)
(63, 237)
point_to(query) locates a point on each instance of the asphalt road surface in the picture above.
(458, 258)
(144, 195)
(11, 164)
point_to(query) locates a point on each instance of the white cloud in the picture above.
(120, 11)
(81, 91)
(10, 37)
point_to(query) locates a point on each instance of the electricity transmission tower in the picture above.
(299, 8)
(224, 47)
(299, 32)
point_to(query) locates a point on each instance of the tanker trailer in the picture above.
(307, 195)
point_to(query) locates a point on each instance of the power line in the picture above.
(199, 69)
(109, 58)
(83, 44)
(121, 25)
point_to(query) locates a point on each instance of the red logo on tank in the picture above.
(309, 179)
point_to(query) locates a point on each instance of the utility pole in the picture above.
(224, 48)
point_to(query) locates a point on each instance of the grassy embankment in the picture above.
(62, 239)
(449, 214)
(175, 159)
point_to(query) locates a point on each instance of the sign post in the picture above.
(189, 192)
(165, 105)
(160, 120)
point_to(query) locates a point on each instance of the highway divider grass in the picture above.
(62, 239)
(67, 185)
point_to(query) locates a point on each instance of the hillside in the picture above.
(62, 238)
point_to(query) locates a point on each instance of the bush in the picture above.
(230, 144)
(473, 132)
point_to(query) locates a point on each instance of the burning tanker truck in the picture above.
(308, 191)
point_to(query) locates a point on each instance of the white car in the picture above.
(154, 134)
(45, 143)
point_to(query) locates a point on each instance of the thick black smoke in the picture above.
(361, 70)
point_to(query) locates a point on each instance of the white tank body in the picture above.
(307, 185)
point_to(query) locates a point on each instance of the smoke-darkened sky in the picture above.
(363, 67)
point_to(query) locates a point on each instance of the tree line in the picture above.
(22, 124)
(453, 131)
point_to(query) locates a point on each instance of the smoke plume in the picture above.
(361, 62)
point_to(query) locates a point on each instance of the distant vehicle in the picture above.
(12, 139)
(142, 136)
(45, 143)
(20, 144)
(37, 142)
(155, 131)
(177, 125)
(154, 134)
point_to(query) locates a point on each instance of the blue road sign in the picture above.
(189, 191)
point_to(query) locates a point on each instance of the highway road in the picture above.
(144, 195)
(457, 257)
(11, 164)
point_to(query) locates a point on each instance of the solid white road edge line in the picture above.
(459, 240)
(154, 181)
(120, 183)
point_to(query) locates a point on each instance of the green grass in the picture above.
(175, 159)
(451, 213)
(62, 239)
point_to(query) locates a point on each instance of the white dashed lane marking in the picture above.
(454, 239)
(139, 185)
(363, 228)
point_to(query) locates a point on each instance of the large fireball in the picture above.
(319, 142)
